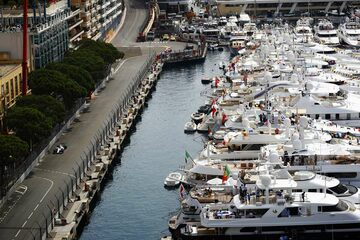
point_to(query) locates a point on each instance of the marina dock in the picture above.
(187, 56)
(251, 132)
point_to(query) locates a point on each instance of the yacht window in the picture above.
(289, 212)
(337, 116)
(316, 103)
(339, 189)
(359, 114)
(312, 190)
(317, 116)
(250, 147)
(352, 189)
(327, 116)
(341, 206)
(348, 116)
(248, 229)
(327, 35)
(342, 174)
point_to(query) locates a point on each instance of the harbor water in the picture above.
(134, 203)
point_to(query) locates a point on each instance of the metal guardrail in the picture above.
(59, 200)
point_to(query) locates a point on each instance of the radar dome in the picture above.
(265, 180)
(309, 86)
(297, 144)
(304, 122)
(246, 123)
(294, 77)
(273, 157)
(295, 136)
(287, 122)
(267, 76)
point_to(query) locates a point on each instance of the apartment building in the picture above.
(53, 29)
(100, 18)
(10, 83)
(174, 6)
(260, 8)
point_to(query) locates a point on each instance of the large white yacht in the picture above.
(325, 33)
(302, 31)
(349, 33)
(272, 215)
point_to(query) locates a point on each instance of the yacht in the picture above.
(302, 31)
(349, 33)
(277, 212)
(237, 42)
(325, 33)
(216, 190)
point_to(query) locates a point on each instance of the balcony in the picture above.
(86, 24)
(97, 36)
(85, 14)
(76, 36)
(80, 21)
(85, 4)
(87, 34)
(105, 5)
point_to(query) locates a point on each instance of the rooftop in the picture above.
(7, 68)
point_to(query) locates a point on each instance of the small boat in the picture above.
(173, 179)
(190, 127)
(222, 65)
(206, 80)
(205, 109)
(166, 238)
(202, 127)
(213, 46)
(197, 117)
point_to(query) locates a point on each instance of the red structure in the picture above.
(24, 86)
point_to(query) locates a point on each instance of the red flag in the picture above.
(216, 82)
(182, 191)
(224, 118)
(213, 110)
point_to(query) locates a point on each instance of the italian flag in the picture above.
(227, 174)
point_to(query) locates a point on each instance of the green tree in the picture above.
(12, 151)
(57, 85)
(78, 74)
(28, 123)
(89, 61)
(49, 106)
(105, 50)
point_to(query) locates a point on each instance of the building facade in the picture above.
(100, 18)
(174, 6)
(10, 84)
(261, 8)
(53, 29)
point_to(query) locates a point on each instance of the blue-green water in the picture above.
(134, 204)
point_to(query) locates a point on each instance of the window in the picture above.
(339, 189)
(12, 88)
(327, 116)
(342, 174)
(341, 206)
(348, 116)
(16, 86)
(317, 116)
(337, 116)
